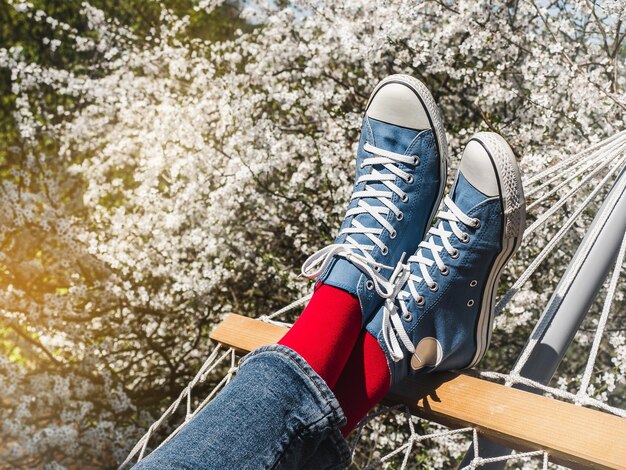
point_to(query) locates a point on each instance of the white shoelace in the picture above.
(358, 253)
(393, 328)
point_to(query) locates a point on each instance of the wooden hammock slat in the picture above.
(572, 435)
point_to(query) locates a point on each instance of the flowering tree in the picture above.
(164, 179)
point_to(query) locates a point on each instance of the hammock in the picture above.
(538, 428)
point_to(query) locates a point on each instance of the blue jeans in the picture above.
(276, 413)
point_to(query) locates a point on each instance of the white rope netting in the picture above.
(578, 180)
(400, 456)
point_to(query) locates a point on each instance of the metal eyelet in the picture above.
(476, 223)
(400, 216)
(384, 250)
(369, 285)
(445, 271)
(377, 269)
(420, 301)
(455, 254)
(393, 234)
(409, 180)
(416, 160)
(434, 287)
(470, 303)
(473, 283)
(408, 317)
(465, 238)
(405, 197)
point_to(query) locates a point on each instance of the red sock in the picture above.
(364, 381)
(326, 331)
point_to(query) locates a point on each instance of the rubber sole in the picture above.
(514, 218)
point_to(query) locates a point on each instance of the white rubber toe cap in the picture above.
(478, 169)
(397, 104)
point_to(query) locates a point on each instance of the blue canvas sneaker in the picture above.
(441, 314)
(401, 168)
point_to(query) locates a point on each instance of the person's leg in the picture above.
(276, 413)
(326, 331)
(364, 381)
(281, 412)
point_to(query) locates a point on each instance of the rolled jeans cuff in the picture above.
(313, 439)
(276, 413)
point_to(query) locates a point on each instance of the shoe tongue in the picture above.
(388, 137)
(466, 196)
